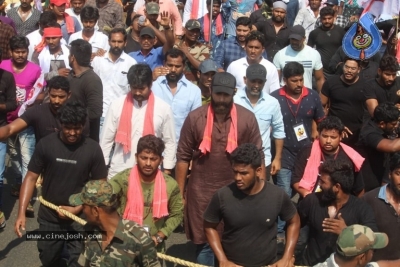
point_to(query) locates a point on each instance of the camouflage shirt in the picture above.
(130, 246)
(200, 52)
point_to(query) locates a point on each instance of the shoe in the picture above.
(2, 220)
(30, 212)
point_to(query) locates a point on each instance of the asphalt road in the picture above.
(17, 252)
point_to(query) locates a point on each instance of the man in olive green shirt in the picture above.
(148, 160)
(206, 72)
(114, 241)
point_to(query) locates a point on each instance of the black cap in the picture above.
(147, 31)
(192, 24)
(332, 2)
(223, 82)
(297, 32)
(256, 71)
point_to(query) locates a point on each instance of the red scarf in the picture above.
(69, 21)
(195, 9)
(206, 27)
(135, 201)
(124, 135)
(310, 175)
(47, 32)
(231, 144)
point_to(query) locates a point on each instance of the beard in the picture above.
(277, 19)
(221, 107)
(174, 77)
(328, 196)
(116, 51)
(395, 190)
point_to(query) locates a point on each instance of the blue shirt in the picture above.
(186, 99)
(216, 40)
(77, 28)
(305, 110)
(154, 58)
(268, 114)
(229, 51)
(240, 9)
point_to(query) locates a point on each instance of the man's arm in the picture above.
(292, 234)
(320, 79)
(212, 235)
(94, 98)
(169, 35)
(169, 138)
(371, 105)
(13, 128)
(176, 19)
(278, 132)
(175, 210)
(325, 103)
(219, 55)
(10, 94)
(184, 154)
(388, 145)
(26, 192)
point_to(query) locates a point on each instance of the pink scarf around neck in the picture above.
(135, 201)
(124, 129)
(311, 172)
(231, 144)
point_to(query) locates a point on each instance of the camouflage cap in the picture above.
(192, 24)
(152, 8)
(357, 239)
(95, 193)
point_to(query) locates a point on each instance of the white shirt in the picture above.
(98, 40)
(164, 128)
(113, 76)
(187, 10)
(238, 69)
(34, 39)
(308, 57)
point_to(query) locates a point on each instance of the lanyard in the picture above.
(297, 110)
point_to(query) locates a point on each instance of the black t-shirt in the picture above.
(249, 237)
(65, 169)
(347, 102)
(301, 162)
(374, 90)
(387, 221)
(44, 121)
(7, 94)
(131, 45)
(375, 168)
(313, 211)
(326, 43)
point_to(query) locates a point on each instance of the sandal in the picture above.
(30, 212)
(15, 190)
(2, 220)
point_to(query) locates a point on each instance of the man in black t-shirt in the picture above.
(328, 146)
(379, 138)
(249, 208)
(43, 118)
(66, 160)
(343, 97)
(328, 212)
(327, 38)
(385, 88)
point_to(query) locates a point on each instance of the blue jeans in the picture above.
(3, 151)
(20, 149)
(205, 254)
(292, 10)
(282, 180)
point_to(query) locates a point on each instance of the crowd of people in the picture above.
(249, 122)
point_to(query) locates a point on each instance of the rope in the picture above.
(83, 222)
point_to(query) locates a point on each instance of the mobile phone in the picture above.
(142, 20)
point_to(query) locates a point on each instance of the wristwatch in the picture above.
(159, 239)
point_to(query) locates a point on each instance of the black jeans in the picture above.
(50, 251)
